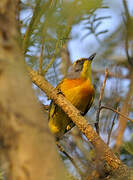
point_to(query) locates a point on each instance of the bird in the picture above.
(78, 89)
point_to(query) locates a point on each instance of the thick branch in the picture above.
(104, 151)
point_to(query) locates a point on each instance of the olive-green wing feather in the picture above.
(53, 106)
(89, 104)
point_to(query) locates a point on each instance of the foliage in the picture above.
(49, 26)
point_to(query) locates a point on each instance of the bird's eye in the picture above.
(79, 65)
(80, 62)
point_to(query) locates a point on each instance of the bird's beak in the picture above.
(91, 57)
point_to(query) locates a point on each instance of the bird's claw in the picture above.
(82, 113)
(59, 92)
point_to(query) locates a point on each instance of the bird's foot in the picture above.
(59, 92)
(82, 113)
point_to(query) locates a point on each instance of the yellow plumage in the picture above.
(77, 88)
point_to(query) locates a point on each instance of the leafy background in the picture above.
(54, 35)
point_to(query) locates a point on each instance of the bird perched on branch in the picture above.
(78, 89)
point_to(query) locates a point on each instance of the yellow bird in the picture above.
(78, 89)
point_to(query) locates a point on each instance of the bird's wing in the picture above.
(53, 106)
(59, 85)
(89, 104)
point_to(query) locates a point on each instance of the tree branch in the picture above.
(61, 149)
(111, 128)
(41, 58)
(100, 100)
(105, 154)
(105, 107)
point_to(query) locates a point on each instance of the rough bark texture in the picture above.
(26, 146)
(104, 152)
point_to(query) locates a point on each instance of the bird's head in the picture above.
(81, 68)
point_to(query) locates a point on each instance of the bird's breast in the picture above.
(78, 91)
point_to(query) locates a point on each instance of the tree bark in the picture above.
(103, 151)
(26, 146)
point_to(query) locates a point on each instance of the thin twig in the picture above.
(114, 110)
(49, 65)
(61, 149)
(52, 60)
(104, 83)
(126, 9)
(41, 58)
(110, 131)
(100, 100)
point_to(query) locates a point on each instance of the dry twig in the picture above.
(41, 58)
(105, 107)
(110, 131)
(52, 59)
(100, 100)
(61, 149)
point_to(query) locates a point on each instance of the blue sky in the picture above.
(89, 45)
